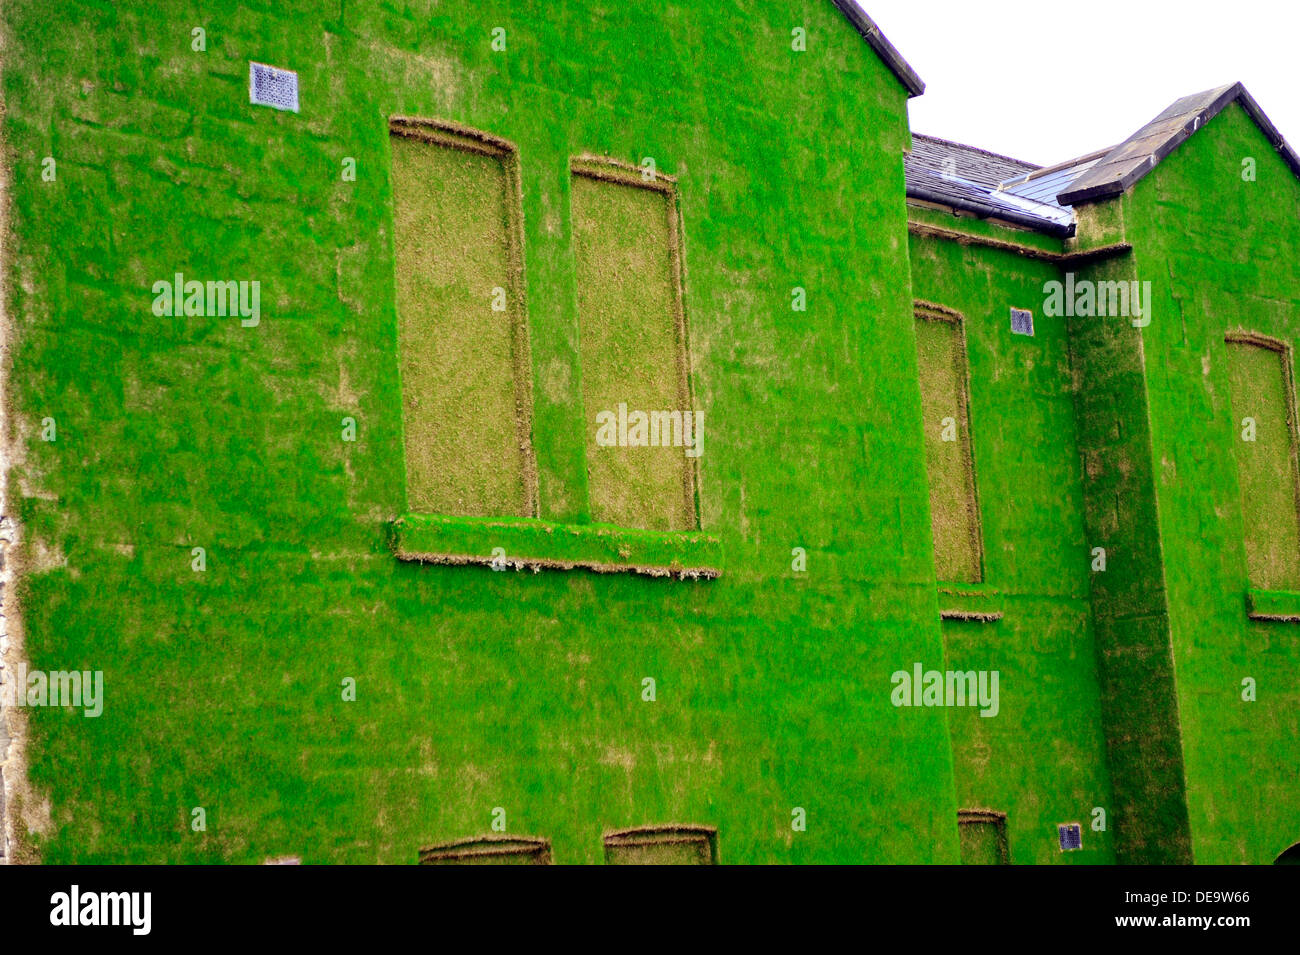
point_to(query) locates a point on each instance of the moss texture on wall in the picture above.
(1042, 759)
(214, 526)
(1129, 603)
(1217, 236)
(475, 690)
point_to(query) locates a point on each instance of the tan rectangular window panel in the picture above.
(662, 845)
(983, 837)
(945, 406)
(633, 345)
(466, 382)
(489, 850)
(1263, 408)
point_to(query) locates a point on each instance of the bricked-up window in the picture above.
(466, 380)
(945, 405)
(662, 845)
(983, 837)
(643, 435)
(1264, 438)
(489, 850)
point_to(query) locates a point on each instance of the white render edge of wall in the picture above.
(13, 725)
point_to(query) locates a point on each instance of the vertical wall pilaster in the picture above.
(1129, 601)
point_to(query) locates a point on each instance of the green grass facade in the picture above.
(345, 673)
(1042, 759)
(1230, 246)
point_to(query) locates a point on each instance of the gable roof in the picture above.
(1132, 159)
(990, 185)
(884, 49)
(984, 184)
(970, 162)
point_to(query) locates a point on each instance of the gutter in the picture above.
(988, 210)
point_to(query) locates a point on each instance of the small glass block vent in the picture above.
(270, 86)
(1022, 322)
(1071, 836)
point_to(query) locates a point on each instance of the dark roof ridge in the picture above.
(884, 49)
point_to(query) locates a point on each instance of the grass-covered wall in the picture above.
(475, 690)
(1042, 759)
(260, 532)
(1130, 615)
(1214, 228)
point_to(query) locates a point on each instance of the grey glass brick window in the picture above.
(270, 86)
(1071, 836)
(1022, 322)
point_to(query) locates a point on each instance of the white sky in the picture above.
(1048, 80)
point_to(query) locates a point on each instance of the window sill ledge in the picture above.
(1279, 606)
(524, 542)
(978, 603)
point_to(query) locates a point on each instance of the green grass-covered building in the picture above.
(600, 432)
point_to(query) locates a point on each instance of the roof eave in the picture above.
(884, 49)
(1273, 134)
